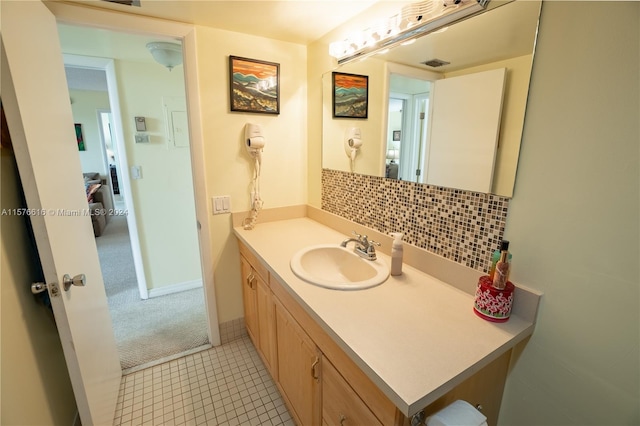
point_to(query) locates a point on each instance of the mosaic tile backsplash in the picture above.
(462, 226)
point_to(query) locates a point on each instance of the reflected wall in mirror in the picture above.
(403, 95)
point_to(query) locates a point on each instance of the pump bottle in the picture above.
(396, 253)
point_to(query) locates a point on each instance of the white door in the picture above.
(36, 102)
(465, 125)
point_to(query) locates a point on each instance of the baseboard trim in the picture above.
(168, 358)
(175, 288)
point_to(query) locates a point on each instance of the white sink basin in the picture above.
(332, 266)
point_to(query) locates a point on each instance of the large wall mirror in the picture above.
(447, 110)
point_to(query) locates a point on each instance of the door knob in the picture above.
(37, 288)
(79, 280)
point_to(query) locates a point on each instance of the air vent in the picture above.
(125, 2)
(435, 63)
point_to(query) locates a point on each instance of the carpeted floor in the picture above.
(146, 330)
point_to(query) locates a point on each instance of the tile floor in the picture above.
(225, 385)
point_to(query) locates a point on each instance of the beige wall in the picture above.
(163, 198)
(85, 105)
(573, 221)
(35, 384)
(228, 166)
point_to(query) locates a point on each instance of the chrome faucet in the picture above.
(363, 246)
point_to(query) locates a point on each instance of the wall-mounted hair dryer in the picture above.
(254, 138)
(254, 142)
(352, 143)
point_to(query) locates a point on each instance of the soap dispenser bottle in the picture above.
(396, 253)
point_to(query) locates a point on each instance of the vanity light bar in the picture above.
(413, 21)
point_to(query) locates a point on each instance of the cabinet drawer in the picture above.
(341, 406)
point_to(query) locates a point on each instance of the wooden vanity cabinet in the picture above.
(299, 368)
(259, 311)
(484, 390)
(320, 383)
(341, 405)
(267, 327)
(250, 300)
(359, 384)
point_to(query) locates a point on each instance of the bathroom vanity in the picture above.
(376, 356)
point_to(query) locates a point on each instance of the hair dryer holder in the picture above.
(352, 142)
(254, 139)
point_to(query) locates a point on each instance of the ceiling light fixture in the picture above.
(167, 54)
(413, 21)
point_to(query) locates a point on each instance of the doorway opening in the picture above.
(148, 247)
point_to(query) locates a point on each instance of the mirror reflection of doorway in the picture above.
(110, 156)
(170, 319)
(407, 118)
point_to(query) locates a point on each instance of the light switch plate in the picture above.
(136, 172)
(142, 138)
(221, 204)
(141, 124)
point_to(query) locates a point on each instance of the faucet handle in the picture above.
(358, 236)
(371, 250)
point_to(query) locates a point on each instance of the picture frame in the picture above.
(350, 95)
(396, 135)
(80, 137)
(254, 85)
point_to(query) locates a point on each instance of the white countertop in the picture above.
(414, 336)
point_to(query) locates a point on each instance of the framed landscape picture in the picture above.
(350, 95)
(254, 85)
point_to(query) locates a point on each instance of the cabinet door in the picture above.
(266, 325)
(341, 406)
(249, 298)
(298, 368)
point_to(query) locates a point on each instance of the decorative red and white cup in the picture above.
(493, 304)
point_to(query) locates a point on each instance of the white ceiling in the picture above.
(507, 31)
(296, 21)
